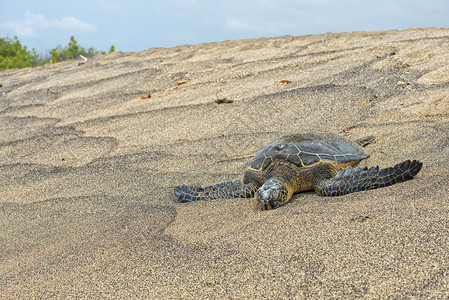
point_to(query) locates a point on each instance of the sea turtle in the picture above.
(304, 162)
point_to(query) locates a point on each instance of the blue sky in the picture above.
(137, 25)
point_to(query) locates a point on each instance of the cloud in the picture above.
(27, 25)
(33, 22)
(73, 23)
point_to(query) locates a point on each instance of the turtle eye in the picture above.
(274, 204)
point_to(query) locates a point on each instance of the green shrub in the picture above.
(73, 51)
(70, 52)
(14, 55)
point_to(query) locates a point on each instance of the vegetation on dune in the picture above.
(13, 55)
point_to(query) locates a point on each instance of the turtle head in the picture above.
(272, 194)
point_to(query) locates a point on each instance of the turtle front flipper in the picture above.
(225, 190)
(357, 179)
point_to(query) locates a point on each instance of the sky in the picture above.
(138, 25)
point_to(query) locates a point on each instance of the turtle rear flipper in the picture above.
(225, 190)
(354, 180)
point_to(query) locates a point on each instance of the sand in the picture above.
(88, 167)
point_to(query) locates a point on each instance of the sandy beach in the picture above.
(88, 164)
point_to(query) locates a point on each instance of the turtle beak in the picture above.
(269, 205)
(265, 206)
